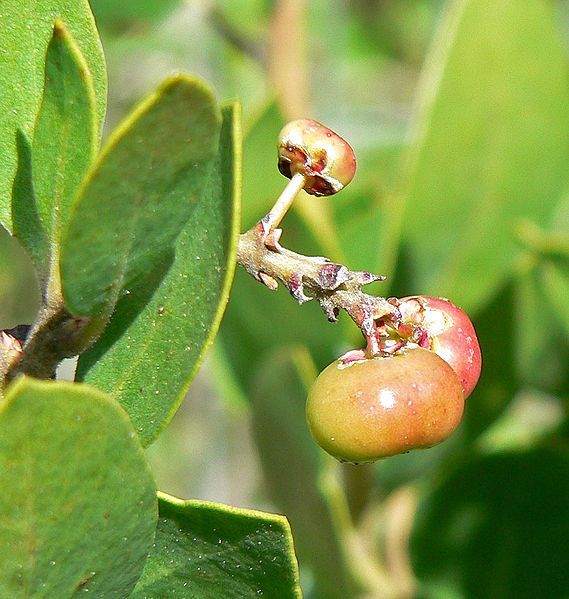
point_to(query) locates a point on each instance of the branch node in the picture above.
(333, 275)
(296, 287)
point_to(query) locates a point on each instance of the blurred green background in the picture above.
(459, 115)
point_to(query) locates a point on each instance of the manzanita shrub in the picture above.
(135, 242)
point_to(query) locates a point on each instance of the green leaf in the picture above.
(555, 282)
(262, 182)
(247, 335)
(363, 213)
(160, 331)
(26, 31)
(292, 462)
(139, 194)
(65, 135)
(26, 223)
(489, 145)
(541, 342)
(499, 381)
(497, 527)
(78, 505)
(116, 17)
(529, 418)
(207, 550)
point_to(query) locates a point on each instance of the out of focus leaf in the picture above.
(160, 330)
(408, 468)
(490, 145)
(26, 30)
(207, 550)
(258, 320)
(529, 418)
(367, 228)
(262, 182)
(292, 462)
(555, 284)
(78, 506)
(116, 16)
(499, 382)
(248, 18)
(541, 341)
(496, 527)
(139, 194)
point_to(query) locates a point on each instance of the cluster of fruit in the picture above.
(411, 395)
(407, 388)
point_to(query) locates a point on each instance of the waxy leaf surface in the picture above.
(78, 506)
(65, 134)
(26, 31)
(162, 327)
(207, 550)
(139, 194)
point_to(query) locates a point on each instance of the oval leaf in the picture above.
(65, 135)
(489, 147)
(78, 507)
(139, 194)
(205, 550)
(26, 30)
(161, 330)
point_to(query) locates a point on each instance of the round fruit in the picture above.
(451, 335)
(368, 409)
(327, 161)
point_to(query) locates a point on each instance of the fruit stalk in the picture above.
(320, 162)
(284, 201)
(332, 285)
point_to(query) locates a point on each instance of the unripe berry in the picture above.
(327, 161)
(373, 408)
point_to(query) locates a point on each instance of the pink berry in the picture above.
(327, 161)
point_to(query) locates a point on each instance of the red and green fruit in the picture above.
(326, 160)
(368, 409)
(450, 334)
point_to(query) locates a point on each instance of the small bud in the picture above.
(326, 161)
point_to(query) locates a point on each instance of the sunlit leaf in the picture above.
(78, 506)
(65, 134)
(139, 194)
(207, 550)
(26, 30)
(163, 326)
